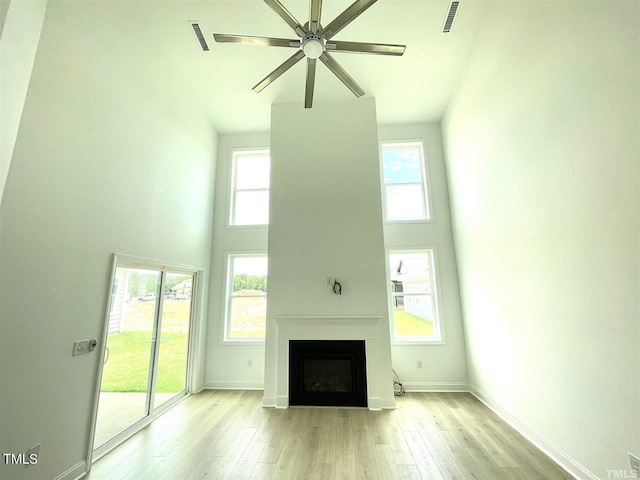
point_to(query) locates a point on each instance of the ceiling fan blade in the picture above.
(345, 18)
(277, 7)
(290, 62)
(339, 72)
(374, 48)
(311, 80)
(315, 8)
(249, 40)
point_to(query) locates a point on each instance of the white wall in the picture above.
(20, 27)
(227, 363)
(103, 163)
(542, 156)
(325, 220)
(444, 365)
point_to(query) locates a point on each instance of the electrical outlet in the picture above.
(635, 464)
(249, 363)
(418, 363)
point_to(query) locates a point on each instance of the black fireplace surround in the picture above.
(327, 373)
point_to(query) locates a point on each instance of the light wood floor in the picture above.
(228, 435)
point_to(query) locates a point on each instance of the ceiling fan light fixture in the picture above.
(312, 46)
(315, 42)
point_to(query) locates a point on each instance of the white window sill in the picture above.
(404, 343)
(258, 225)
(405, 222)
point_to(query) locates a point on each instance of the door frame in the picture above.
(193, 353)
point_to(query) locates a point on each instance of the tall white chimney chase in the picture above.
(325, 226)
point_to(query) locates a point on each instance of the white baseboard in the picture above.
(79, 470)
(374, 403)
(388, 404)
(233, 386)
(436, 386)
(557, 455)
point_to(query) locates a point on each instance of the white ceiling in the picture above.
(155, 39)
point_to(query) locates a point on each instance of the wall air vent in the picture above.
(200, 37)
(453, 8)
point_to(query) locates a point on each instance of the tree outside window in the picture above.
(246, 311)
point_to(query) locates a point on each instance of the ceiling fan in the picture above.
(315, 42)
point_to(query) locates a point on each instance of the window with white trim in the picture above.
(414, 305)
(405, 185)
(250, 187)
(246, 297)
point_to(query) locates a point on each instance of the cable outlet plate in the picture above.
(635, 464)
(82, 347)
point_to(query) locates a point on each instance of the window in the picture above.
(246, 311)
(413, 296)
(250, 187)
(405, 192)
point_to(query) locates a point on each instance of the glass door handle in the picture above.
(106, 355)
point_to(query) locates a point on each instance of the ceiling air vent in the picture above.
(200, 37)
(453, 8)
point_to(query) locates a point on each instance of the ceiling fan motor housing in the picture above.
(313, 45)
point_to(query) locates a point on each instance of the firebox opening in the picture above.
(327, 373)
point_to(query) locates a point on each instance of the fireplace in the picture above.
(327, 373)
(371, 330)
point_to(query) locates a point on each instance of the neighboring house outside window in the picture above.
(246, 297)
(405, 184)
(249, 188)
(413, 296)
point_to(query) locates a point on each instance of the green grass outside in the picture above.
(408, 325)
(128, 365)
(249, 316)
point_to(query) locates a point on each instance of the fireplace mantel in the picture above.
(306, 320)
(304, 327)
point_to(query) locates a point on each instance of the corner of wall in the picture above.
(19, 38)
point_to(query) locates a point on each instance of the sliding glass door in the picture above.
(173, 345)
(146, 355)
